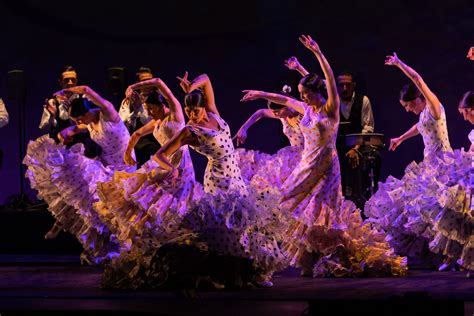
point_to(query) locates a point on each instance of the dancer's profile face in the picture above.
(467, 114)
(307, 95)
(415, 106)
(284, 112)
(196, 114)
(84, 119)
(157, 112)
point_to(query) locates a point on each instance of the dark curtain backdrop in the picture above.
(241, 45)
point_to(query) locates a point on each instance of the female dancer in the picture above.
(227, 221)
(133, 204)
(264, 171)
(326, 236)
(67, 180)
(406, 208)
(454, 225)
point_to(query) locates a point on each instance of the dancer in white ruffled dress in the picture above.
(454, 226)
(326, 236)
(407, 208)
(264, 171)
(66, 179)
(134, 204)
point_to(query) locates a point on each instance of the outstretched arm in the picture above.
(332, 104)
(241, 135)
(139, 133)
(395, 142)
(292, 63)
(433, 103)
(107, 108)
(251, 95)
(201, 82)
(66, 135)
(173, 103)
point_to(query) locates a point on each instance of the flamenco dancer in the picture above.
(407, 208)
(134, 204)
(326, 236)
(66, 179)
(227, 235)
(264, 171)
(454, 225)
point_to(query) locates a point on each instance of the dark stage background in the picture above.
(241, 45)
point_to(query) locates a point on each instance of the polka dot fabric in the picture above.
(325, 232)
(454, 224)
(134, 204)
(73, 177)
(407, 209)
(222, 171)
(265, 172)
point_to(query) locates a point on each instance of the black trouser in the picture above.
(357, 183)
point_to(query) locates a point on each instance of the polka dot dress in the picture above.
(455, 224)
(408, 208)
(133, 204)
(434, 132)
(315, 184)
(291, 129)
(73, 179)
(113, 138)
(222, 171)
(263, 171)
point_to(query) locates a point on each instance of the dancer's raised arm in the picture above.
(292, 63)
(171, 100)
(204, 83)
(241, 135)
(332, 104)
(433, 103)
(107, 108)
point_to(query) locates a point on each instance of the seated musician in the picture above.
(355, 117)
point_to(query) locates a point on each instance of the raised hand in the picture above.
(50, 107)
(392, 60)
(127, 158)
(394, 143)
(251, 95)
(292, 63)
(184, 83)
(309, 43)
(470, 53)
(241, 136)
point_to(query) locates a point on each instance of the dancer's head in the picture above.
(412, 99)
(282, 111)
(155, 105)
(311, 88)
(194, 106)
(346, 85)
(466, 106)
(144, 73)
(81, 111)
(67, 77)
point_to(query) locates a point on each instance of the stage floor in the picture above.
(58, 283)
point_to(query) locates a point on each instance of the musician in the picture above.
(355, 117)
(55, 116)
